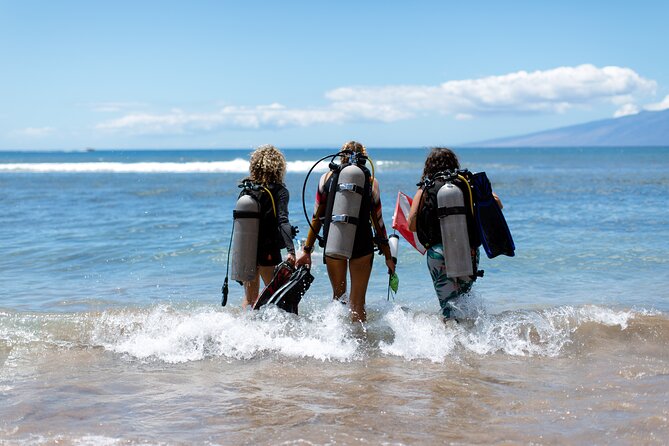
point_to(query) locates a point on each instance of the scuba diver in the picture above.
(443, 216)
(261, 226)
(347, 206)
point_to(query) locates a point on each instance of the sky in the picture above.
(238, 74)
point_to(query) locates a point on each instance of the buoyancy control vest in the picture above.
(347, 211)
(266, 196)
(447, 217)
(255, 225)
(427, 224)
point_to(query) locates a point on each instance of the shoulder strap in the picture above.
(271, 197)
(329, 188)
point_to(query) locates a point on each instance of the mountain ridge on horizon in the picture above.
(647, 128)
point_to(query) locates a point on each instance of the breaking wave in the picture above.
(176, 335)
(237, 165)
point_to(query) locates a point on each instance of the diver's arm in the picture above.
(314, 229)
(499, 202)
(285, 229)
(316, 223)
(415, 208)
(380, 227)
(384, 247)
(305, 257)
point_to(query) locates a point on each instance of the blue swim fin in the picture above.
(495, 234)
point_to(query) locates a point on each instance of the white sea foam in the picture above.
(605, 316)
(86, 440)
(418, 336)
(175, 336)
(515, 333)
(238, 165)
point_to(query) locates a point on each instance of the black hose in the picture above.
(224, 289)
(304, 189)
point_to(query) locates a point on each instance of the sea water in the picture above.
(112, 332)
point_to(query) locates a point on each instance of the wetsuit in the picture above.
(275, 233)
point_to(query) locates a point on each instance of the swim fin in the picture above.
(282, 274)
(289, 295)
(495, 234)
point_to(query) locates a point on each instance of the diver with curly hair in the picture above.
(267, 169)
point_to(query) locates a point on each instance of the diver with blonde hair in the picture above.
(359, 264)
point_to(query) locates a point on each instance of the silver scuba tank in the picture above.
(345, 212)
(454, 235)
(393, 241)
(245, 239)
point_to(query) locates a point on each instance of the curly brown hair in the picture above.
(268, 165)
(352, 146)
(440, 159)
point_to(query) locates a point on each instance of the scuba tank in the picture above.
(454, 235)
(350, 183)
(246, 226)
(393, 241)
(348, 190)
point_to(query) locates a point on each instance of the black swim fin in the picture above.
(494, 231)
(282, 274)
(289, 295)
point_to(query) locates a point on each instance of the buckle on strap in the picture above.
(349, 187)
(343, 218)
(455, 210)
(245, 214)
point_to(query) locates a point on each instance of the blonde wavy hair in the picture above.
(268, 165)
(353, 146)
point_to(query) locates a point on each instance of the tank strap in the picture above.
(271, 197)
(350, 187)
(469, 189)
(343, 218)
(245, 214)
(455, 210)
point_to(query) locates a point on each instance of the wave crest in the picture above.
(183, 334)
(177, 336)
(238, 165)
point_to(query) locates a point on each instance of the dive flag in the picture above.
(402, 208)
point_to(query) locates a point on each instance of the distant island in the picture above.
(647, 128)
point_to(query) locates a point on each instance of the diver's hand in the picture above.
(304, 259)
(391, 266)
(290, 258)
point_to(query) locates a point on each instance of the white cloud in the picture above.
(553, 91)
(658, 106)
(178, 121)
(626, 110)
(549, 91)
(633, 109)
(35, 132)
(114, 107)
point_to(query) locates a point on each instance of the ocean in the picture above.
(112, 331)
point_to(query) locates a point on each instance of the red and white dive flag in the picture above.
(402, 208)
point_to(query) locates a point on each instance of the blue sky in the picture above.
(219, 74)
